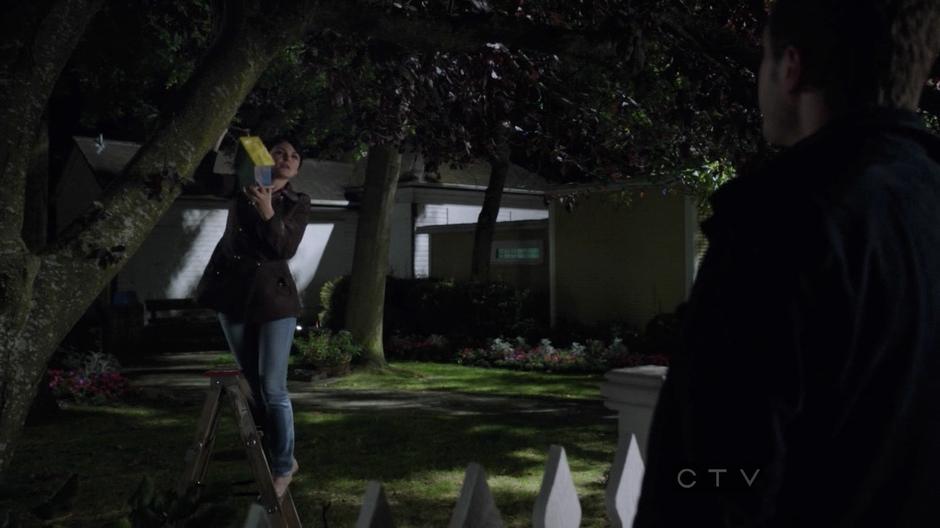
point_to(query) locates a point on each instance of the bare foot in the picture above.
(281, 482)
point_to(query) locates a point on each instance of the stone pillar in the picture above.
(633, 392)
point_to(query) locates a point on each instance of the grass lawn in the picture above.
(449, 377)
(419, 456)
(418, 376)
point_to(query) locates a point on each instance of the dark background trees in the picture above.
(579, 91)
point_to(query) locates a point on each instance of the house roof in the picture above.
(107, 163)
(478, 174)
(557, 191)
(515, 225)
(325, 181)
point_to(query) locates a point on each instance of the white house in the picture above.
(171, 260)
(602, 258)
(518, 256)
(613, 258)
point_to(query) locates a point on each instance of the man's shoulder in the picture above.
(884, 174)
(850, 170)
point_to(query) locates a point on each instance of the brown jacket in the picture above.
(247, 277)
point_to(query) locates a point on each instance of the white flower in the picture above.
(617, 347)
(498, 346)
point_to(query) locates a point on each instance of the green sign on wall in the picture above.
(518, 254)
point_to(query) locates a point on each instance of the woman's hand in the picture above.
(260, 198)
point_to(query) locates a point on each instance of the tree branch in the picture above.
(81, 262)
(20, 21)
(32, 79)
(736, 60)
(462, 33)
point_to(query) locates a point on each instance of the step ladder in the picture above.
(280, 514)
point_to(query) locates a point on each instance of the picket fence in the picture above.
(556, 506)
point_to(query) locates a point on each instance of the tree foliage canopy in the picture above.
(589, 90)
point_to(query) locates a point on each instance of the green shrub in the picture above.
(466, 312)
(434, 347)
(321, 349)
(663, 334)
(417, 306)
(334, 296)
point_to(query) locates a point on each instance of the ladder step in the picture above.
(230, 385)
(245, 494)
(222, 373)
(229, 454)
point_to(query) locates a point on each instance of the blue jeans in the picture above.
(262, 350)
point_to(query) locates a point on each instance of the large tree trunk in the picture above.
(43, 294)
(33, 74)
(36, 214)
(370, 261)
(486, 222)
(44, 48)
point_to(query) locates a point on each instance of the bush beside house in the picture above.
(492, 324)
(467, 313)
(325, 352)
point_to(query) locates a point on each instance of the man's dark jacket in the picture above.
(810, 346)
(247, 277)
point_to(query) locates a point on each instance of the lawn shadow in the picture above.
(419, 455)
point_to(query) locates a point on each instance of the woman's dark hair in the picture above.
(276, 140)
(860, 52)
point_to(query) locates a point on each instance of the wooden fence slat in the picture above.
(475, 505)
(557, 504)
(624, 485)
(375, 511)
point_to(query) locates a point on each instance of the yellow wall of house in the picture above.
(451, 254)
(620, 262)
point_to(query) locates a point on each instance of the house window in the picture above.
(516, 252)
(422, 256)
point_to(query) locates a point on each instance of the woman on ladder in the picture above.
(249, 284)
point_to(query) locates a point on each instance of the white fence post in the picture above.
(624, 484)
(257, 517)
(475, 505)
(557, 504)
(375, 511)
(633, 392)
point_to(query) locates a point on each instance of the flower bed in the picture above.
(88, 377)
(593, 356)
(87, 387)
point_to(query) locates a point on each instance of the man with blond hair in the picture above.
(807, 388)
